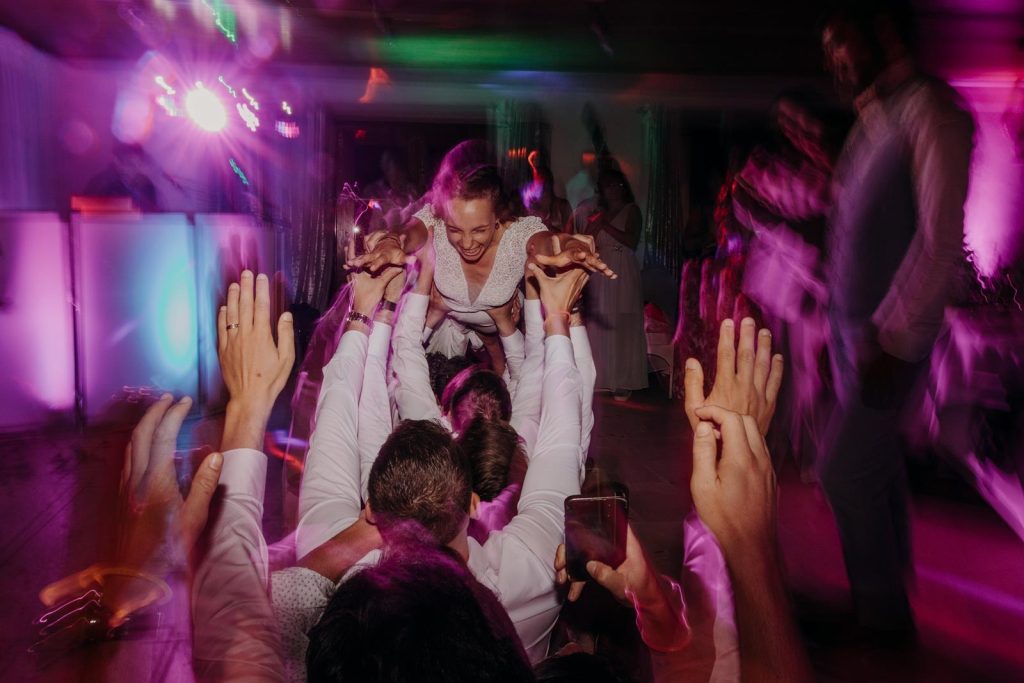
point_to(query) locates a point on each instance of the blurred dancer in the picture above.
(897, 236)
(783, 195)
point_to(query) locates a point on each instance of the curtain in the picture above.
(300, 190)
(665, 157)
(518, 129)
(27, 138)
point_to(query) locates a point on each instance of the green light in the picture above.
(474, 50)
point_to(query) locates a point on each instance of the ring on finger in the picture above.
(232, 326)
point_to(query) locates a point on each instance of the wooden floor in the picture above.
(57, 491)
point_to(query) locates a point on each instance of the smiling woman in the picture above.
(480, 247)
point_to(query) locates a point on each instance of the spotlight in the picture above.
(205, 109)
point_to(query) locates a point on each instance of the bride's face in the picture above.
(471, 227)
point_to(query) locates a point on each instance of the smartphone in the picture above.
(595, 529)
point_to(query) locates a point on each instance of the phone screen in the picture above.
(595, 529)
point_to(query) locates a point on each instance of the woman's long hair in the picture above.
(468, 171)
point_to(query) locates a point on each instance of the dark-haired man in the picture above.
(896, 239)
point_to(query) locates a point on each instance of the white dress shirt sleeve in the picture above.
(526, 401)
(517, 561)
(514, 347)
(374, 403)
(234, 630)
(412, 391)
(329, 497)
(588, 378)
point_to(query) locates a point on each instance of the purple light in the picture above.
(205, 109)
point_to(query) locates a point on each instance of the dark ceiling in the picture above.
(700, 37)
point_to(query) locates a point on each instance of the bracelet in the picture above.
(355, 316)
(388, 305)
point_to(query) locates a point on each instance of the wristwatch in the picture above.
(355, 316)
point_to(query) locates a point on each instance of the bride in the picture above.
(480, 247)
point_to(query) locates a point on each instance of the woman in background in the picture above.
(615, 311)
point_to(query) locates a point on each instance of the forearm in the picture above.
(234, 631)
(661, 614)
(335, 557)
(770, 647)
(374, 403)
(245, 423)
(329, 497)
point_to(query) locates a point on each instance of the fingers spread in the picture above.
(234, 292)
(246, 302)
(222, 330)
(693, 389)
(261, 313)
(774, 382)
(726, 350)
(762, 360)
(745, 355)
(286, 341)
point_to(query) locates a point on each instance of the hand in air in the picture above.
(574, 251)
(156, 528)
(560, 292)
(368, 284)
(255, 369)
(383, 249)
(747, 381)
(734, 494)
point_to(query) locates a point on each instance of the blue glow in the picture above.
(173, 314)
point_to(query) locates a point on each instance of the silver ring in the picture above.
(232, 326)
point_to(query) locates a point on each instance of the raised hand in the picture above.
(559, 293)
(255, 369)
(156, 527)
(383, 249)
(734, 494)
(574, 251)
(747, 381)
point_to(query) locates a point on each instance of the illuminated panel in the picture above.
(36, 342)
(137, 305)
(226, 244)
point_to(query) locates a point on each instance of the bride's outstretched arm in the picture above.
(393, 248)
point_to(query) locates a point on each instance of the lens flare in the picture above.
(206, 110)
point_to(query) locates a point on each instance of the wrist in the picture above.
(555, 323)
(245, 422)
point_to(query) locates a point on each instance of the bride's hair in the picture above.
(468, 171)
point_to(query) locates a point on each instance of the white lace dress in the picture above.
(468, 317)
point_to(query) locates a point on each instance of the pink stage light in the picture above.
(205, 110)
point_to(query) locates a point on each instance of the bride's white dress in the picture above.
(468, 317)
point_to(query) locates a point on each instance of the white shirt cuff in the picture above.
(514, 344)
(533, 315)
(558, 349)
(415, 304)
(380, 340)
(244, 472)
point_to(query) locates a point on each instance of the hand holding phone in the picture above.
(595, 529)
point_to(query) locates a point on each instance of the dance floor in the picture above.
(57, 490)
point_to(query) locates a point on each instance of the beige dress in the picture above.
(615, 316)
